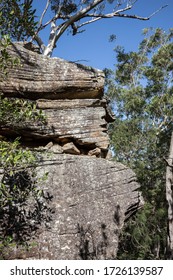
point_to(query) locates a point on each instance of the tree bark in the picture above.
(169, 198)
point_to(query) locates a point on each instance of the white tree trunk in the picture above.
(169, 198)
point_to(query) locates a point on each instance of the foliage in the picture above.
(141, 90)
(23, 205)
(19, 112)
(5, 59)
(15, 111)
(17, 18)
(68, 6)
(12, 156)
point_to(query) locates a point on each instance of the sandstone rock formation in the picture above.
(91, 196)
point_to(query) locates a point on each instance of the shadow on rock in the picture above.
(24, 210)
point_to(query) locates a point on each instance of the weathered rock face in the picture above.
(71, 99)
(90, 195)
(91, 198)
(55, 78)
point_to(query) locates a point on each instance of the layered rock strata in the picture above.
(91, 196)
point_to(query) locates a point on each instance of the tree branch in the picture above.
(36, 37)
(168, 161)
(52, 39)
(118, 14)
(169, 198)
(58, 30)
(43, 14)
(39, 42)
(80, 14)
(100, 16)
(157, 11)
(57, 16)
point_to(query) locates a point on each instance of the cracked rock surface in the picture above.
(90, 196)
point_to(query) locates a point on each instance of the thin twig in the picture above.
(43, 14)
(161, 8)
(118, 14)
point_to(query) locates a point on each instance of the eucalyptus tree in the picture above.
(65, 14)
(141, 90)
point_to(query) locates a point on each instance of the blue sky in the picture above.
(93, 48)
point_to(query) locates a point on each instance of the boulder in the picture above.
(90, 195)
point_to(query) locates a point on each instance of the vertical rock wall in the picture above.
(88, 196)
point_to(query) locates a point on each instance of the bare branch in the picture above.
(79, 15)
(100, 16)
(58, 15)
(161, 8)
(61, 29)
(58, 30)
(43, 14)
(53, 20)
(41, 26)
(117, 14)
(36, 37)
